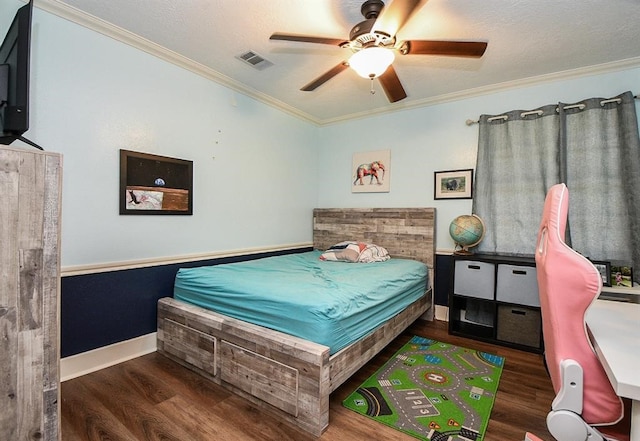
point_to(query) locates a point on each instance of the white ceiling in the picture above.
(529, 40)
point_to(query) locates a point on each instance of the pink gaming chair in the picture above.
(568, 283)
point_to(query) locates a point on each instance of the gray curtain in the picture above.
(593, 146)
(517, 161)
(603, 176)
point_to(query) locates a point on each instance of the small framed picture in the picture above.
(453, 184)
(370, 172)
(622, 276)
(153, 184)
(604, 268)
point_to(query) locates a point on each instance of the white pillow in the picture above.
(350, 251)
(343, 252)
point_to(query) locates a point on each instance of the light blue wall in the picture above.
(254, 174)
(436, 138)
(258, 171)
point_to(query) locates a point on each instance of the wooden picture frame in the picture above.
(453, 184)
(621, 276)
(156, 185)
(604, 268)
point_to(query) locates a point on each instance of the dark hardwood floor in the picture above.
(153, 398)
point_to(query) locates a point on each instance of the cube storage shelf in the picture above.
(495, 298)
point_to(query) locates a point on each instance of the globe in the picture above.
(466, 231)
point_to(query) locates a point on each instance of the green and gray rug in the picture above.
(432, 391)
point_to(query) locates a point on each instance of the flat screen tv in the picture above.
(14, 77)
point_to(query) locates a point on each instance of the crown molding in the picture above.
(103, 27)
(96, 24)
(597, 69)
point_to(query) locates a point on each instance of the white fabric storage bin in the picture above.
(517, 284)
(474, 279)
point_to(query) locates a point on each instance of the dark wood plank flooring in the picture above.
(153, 398)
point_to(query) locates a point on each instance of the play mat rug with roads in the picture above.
(432, 391)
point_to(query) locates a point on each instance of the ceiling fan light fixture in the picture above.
(371, 62)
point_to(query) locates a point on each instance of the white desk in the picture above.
(615, 328)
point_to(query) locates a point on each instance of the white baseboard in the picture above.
(100, 358)
(442, 313)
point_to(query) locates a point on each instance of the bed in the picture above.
(288, 376)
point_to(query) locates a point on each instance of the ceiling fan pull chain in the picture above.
(373, 92)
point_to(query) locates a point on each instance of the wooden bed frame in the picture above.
(285, 375)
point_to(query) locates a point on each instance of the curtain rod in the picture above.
(471, 122)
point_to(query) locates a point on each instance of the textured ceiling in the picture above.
(526, 39)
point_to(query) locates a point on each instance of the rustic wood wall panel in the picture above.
(9, 179)
(29, 287)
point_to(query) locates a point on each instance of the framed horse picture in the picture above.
(371, 172)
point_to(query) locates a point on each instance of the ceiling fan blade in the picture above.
(394, 16)
(451, 48)
(307, 39)
(325, 77)
(391, 85)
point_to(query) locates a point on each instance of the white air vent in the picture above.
(254, 60)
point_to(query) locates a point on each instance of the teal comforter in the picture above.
(330, 303)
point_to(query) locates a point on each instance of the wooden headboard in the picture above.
(404, 232)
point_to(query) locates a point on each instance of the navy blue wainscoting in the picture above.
(442, 279)
(100, 309)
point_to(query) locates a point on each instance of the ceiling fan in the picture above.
(373, 43)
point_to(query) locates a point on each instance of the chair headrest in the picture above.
(554, 214)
